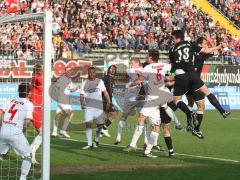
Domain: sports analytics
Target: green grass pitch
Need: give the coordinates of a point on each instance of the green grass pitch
(217, 157)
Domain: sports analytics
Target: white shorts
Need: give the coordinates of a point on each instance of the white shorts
(153, 113)
(153, 103)
(17, 142)
(63, 107)
(91, 114)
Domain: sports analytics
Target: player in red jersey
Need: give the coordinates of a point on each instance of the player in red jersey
(36, 98)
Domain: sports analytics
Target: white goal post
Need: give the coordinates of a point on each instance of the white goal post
(46, 19)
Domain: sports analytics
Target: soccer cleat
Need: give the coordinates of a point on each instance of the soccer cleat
(87, 147)
(54, 134)
(105, 133)
(178, 127)
(150, 155)
(64, 134)
(225, 114)
(130, 149)
(34, 161)
(95, 144)
(171, 153)
(158, 147)
(198, 134)
(117, 142)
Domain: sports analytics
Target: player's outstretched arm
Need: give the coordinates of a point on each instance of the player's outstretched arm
(212, 50)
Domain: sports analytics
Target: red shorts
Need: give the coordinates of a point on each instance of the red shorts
(37, 118)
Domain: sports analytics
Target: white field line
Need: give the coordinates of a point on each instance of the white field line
(179, 154)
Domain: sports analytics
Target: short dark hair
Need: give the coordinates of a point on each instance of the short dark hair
(23, 90)
(154, 54)
(91, 68)
(178, 34)
(200, 40)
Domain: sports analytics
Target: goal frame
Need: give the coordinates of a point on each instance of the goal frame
(46, 19)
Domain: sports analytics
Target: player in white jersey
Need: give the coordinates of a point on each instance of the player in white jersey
(91, 101)
(132, 97)
(156, 95)
(16, 115)
(64, 109)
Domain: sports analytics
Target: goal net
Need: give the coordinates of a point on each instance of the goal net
(25, 44)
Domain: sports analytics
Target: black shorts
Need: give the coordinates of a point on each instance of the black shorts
(112, 107)
(184, 81)
(197, 95)
(165, 119)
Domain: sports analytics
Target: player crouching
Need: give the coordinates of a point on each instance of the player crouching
(91, 101)
(17, 114)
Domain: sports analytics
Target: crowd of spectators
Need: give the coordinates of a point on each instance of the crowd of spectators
(230, 8)
(82, 25)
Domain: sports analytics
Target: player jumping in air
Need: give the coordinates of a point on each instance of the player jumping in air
(182, 57)
(16, 115)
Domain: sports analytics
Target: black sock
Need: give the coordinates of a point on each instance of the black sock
(107, 124)
(181, 105)
(168, 141)
(213, 100)
(199, 119)
(172, 106)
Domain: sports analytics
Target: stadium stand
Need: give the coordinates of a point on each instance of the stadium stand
(83, 28)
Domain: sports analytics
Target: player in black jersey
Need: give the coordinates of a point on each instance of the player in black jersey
(109, 83)
(197, 96)
(182, 57)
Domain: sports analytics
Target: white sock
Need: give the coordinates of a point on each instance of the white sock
(172, 115)
(35, 144)
(26, 166)
(65, 123)
(145, 134)
(152, 139)
(89, 136)
(55, 125)
(136, 135)
(121, 126)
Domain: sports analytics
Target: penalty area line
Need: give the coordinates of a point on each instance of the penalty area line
(179, 154)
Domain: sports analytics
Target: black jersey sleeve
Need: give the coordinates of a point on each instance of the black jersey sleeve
(196, 48)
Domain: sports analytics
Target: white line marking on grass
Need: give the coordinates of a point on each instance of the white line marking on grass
(180, 154)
